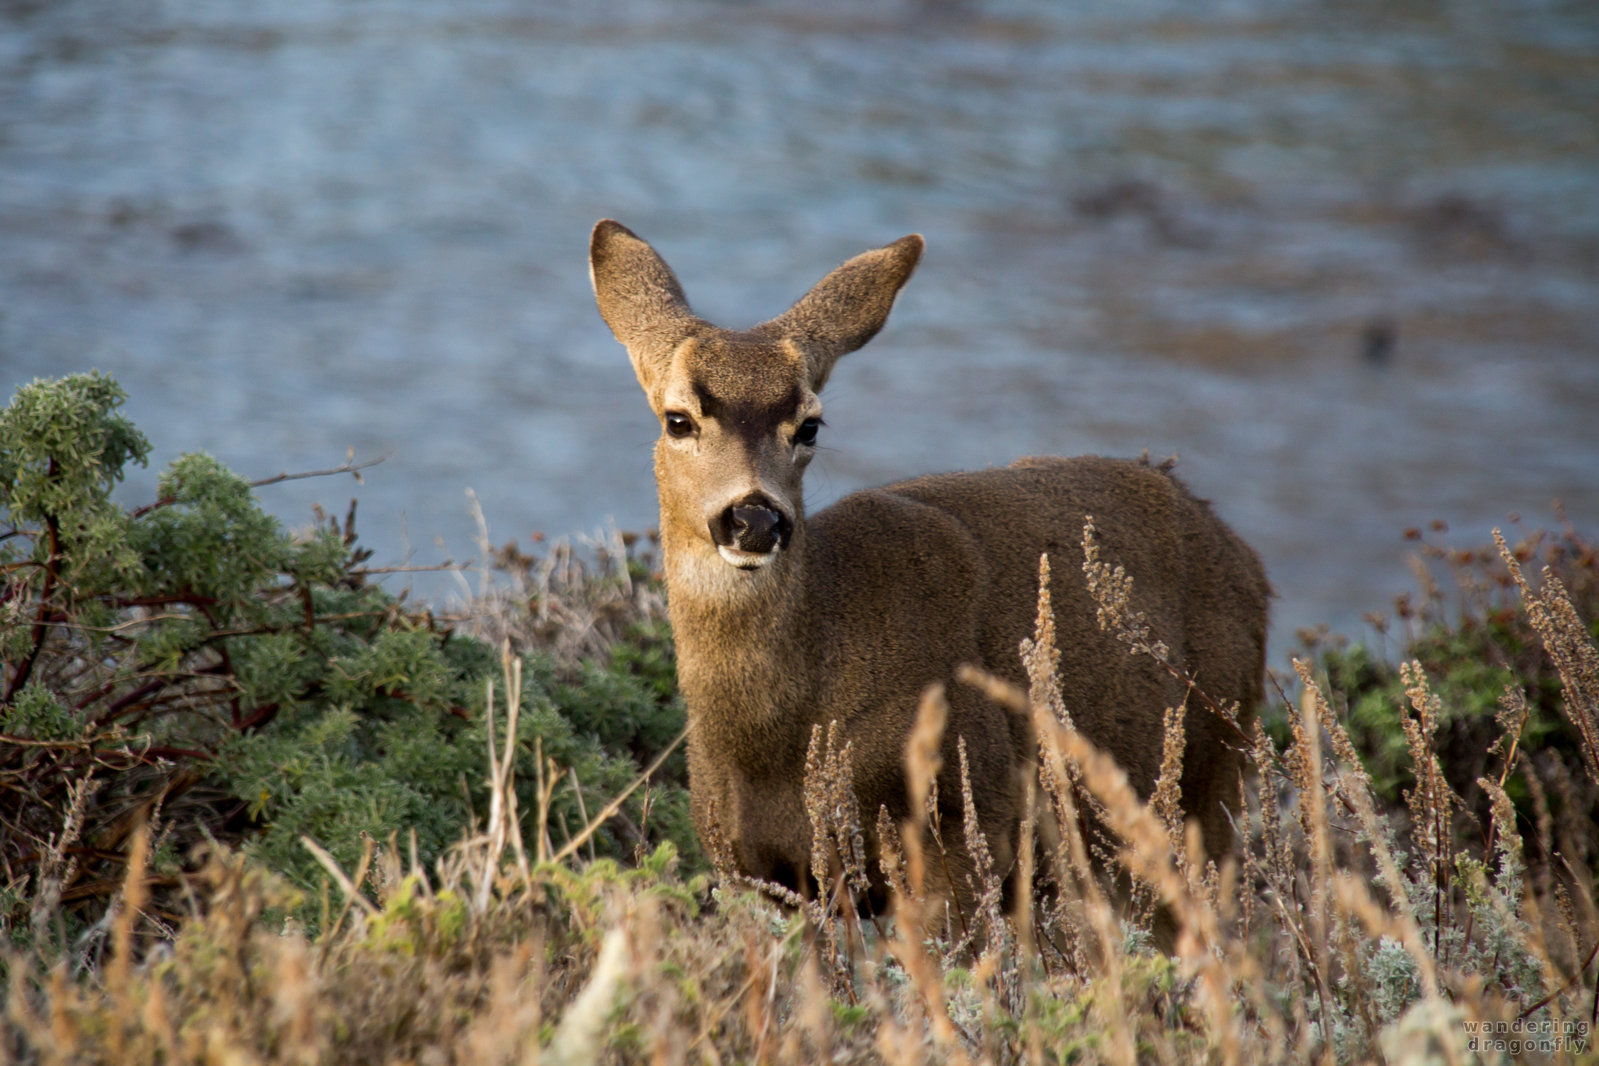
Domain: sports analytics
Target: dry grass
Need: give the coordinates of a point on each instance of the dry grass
(573, 602)
(1332, 935)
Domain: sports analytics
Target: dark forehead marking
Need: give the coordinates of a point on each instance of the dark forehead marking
(710, 406)
(715, 406)
(751, 417)
(739, 373)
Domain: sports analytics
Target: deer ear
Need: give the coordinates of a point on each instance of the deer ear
(639, 298)
(846, 309)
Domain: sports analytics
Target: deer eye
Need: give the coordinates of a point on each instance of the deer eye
(679, 424)
(806, 434)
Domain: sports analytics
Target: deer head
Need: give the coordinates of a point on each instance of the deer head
(739, 410)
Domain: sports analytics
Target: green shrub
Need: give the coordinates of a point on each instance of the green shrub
(1473, 645)
(190, 663)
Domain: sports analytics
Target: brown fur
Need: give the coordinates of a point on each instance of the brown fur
(891, 589)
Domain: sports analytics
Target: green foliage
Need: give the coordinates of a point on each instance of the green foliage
(1472, 649)
(191, 661)
(1464, 678)
(36, 714)
(211, 540)
(62, 448)
(1394, 976)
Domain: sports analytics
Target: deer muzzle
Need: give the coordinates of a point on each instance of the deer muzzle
(751, 532)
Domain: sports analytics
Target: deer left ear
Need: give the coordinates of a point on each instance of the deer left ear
(639, 298)
(846, 309)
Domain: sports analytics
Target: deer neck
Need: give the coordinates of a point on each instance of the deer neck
(742, 662)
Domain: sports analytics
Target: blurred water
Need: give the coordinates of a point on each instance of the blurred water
(1342, 258)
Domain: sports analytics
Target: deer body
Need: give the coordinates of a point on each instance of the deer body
(784, 621)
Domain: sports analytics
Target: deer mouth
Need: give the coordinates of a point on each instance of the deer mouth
(747, 560)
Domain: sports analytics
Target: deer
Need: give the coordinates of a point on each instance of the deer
(785, 621)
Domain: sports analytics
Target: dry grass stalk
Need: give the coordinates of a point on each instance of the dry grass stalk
(1313, 816)
(1063, 822)
(841, 818)
(1568, 643)
(1400, 923)
(1431, 801)
(983, 880)
(828, 858)
(1252, 873)
(1026, 868)
(577, 1039)
(350, 887)
(1112, 589)
(890, 856)
(574, 603)
(1350, 767)
(59, 861)
(923, 763)
(838, 854)
(504, 822)
(1514, 908)
(924, 760)
(1041, 657)
(607, 812)
(1080, 902)
(907, 946)
(127, 915)
(1147, 853)
(1166, 800)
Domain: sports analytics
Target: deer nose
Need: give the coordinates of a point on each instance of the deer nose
(751, 525)
(755, 528)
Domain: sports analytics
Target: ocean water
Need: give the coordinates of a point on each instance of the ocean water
(1341, 259)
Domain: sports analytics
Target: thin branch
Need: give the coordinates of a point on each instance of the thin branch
(41, 625)
(349, 467)
(616, 804)
(447, 565)
(1563, 989)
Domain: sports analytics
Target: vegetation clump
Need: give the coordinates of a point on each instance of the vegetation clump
(190, 665)
(351, 909)
(1486, 658)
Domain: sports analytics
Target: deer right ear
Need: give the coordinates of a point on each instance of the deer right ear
(846, 309)
(639, 298)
